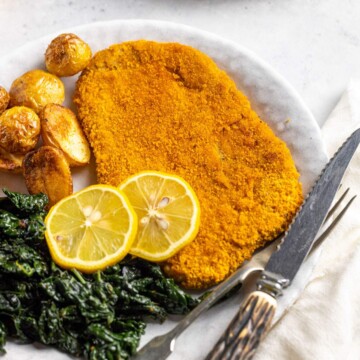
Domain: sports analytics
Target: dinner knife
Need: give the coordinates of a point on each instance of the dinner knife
(252, 322)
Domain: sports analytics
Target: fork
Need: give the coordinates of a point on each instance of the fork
(160, 347)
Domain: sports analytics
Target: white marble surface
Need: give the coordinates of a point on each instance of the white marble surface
(315, 44)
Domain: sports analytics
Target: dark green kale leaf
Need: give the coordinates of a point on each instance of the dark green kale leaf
(105, 344)
(10, 225)
(30, 228)
(2, 338)
(143, 290)
(53, 331)
(27, 204)
(18, 258)
(9, 303)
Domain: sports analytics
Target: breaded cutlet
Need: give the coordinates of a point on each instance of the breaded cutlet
(165, 106)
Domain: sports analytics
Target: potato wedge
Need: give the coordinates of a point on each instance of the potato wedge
(10, 162)
(60, 128)
(46, 170)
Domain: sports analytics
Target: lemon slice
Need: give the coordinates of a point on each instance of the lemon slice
(91, 229)
(168, 212)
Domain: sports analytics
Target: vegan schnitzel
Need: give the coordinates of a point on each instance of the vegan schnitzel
(165, 106)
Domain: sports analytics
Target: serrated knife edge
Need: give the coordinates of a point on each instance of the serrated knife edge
(330, 176)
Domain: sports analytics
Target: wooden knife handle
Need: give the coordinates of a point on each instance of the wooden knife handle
(246, 330)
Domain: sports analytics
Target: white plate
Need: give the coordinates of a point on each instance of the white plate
(271, 96)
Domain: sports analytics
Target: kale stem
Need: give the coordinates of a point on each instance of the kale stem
(78, 276)
(98, 276)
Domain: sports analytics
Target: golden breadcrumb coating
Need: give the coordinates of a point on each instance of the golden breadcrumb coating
(168, 107)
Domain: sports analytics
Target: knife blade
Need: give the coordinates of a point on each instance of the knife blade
(301, 233)
(252, 322)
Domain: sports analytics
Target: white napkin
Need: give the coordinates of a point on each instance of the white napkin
(324, 323)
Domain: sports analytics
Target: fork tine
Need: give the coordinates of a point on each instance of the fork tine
(333, 224)
(336, 205)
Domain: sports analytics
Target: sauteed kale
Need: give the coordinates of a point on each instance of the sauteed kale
(99, 316)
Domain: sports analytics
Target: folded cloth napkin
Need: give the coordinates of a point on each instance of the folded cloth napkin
(324, 322)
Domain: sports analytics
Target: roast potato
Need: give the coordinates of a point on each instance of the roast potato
(10, 162)
(19, 130)
(35, 89)
(46, 170)
(67, 55)
(4, 99)
(60, 128)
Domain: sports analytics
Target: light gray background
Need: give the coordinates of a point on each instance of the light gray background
(315, 44)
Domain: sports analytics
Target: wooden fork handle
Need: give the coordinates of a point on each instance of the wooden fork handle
(246, 330)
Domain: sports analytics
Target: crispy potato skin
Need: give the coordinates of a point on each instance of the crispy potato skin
(67, 55)
(4, 99)
(60, 128)
(35, 89)
(10, 162)
(46, 170)
(19, 130)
